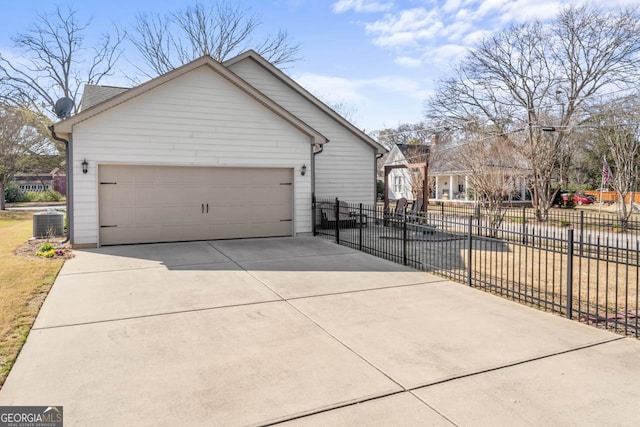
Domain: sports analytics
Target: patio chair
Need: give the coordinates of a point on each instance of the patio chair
(346, 217)
(416, 207)
(328, 215)
(398, 212)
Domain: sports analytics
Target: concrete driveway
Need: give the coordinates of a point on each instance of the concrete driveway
(305, 332)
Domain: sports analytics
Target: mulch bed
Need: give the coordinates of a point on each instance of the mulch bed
(30, 248)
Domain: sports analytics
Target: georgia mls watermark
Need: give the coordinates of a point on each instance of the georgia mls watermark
(30, 416)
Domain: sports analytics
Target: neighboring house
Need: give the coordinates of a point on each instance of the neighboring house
(55, 180)
(405, 181)
(209, 151)
(454, 181)
(59, 181)
(39, 182)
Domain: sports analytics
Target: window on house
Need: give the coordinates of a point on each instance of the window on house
(397, 184)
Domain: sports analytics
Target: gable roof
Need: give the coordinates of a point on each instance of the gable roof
(65, 127)
(414, 152)
(253, 55)
(407, 154)
(94, 94)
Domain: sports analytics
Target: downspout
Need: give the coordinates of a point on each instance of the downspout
(67, 179)
(313, 183)
(313, 166)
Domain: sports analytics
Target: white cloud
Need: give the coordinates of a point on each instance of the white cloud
(457, 30)
(407, 61)
(449, 53)
(403, 97)
(475, 37)
(361, 6)
(405, 28)
(489, 7)
(451, 5)
(333, 89)
(337, 89)
(528, 10)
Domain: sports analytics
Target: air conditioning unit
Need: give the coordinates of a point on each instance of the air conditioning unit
(48, 224)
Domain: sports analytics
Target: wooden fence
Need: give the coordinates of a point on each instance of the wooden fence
(612, 196)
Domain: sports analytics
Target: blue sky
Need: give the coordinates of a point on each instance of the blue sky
(380, 57)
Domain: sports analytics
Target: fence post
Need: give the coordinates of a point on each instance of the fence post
(313, 214)
(337, 221)
(570, 273)
(404, 237)
(469, 253)
(581, 230)
(524, 225)
(360, 225)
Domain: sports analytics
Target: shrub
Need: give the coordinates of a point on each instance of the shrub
(42, 196)
(12, 193)
(47, 254)
(50, 196)
(380, 190)
(564, 223)
(29, 196)
(45, 247)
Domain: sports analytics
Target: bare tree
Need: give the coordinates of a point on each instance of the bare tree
(22, 140)
(535, 78)
(55, 62)
(346, 110)
(168, 41)
(617, 133)
(406, 133)
(494, 165)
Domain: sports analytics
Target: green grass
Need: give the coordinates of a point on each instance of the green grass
(24, 284)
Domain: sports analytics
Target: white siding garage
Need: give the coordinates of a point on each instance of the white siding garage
(142, 204)
(346, 168)
(145, 163)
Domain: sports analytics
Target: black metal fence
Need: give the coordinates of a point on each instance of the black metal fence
(587, 274)
(586, 223)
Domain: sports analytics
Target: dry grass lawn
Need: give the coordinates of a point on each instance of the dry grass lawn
(24, 284)
(599, 286)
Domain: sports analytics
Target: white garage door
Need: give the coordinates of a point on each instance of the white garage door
(145, 204)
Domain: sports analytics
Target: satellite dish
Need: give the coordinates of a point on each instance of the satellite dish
(63, 107)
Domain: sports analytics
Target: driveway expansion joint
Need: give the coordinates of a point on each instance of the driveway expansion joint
(285, 258)
(144, 316)
(521, 362)
(424, 402)
(332, 408)
(355, 291)
(80, 273)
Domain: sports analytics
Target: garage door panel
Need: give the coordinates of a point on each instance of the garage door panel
(114, 195)
(162, 204)
(270, 195)
(147, 195)
(188, 195)
(276, 212)
(146, 216)
(274, 229)
(188, 214)
(229, 196)
(115, 235)
(148, 175)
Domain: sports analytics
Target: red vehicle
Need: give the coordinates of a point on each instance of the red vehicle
(578, 199)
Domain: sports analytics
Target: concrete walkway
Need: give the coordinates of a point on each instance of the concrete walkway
(305, 332)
